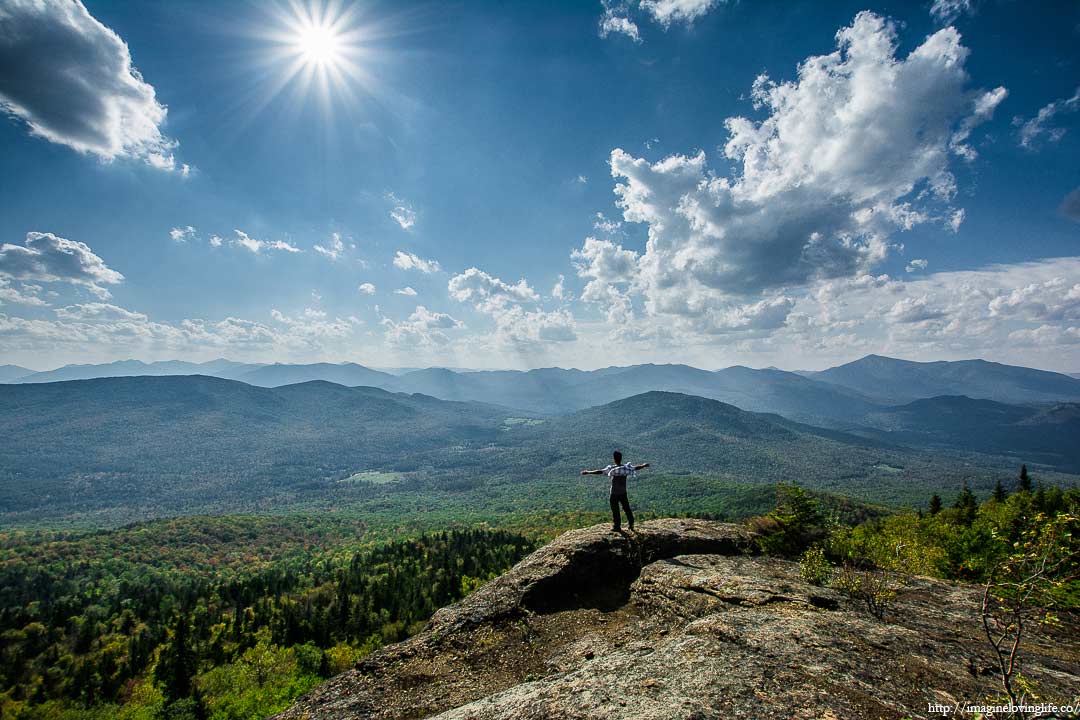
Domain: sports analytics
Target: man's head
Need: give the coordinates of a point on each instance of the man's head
(618, 457)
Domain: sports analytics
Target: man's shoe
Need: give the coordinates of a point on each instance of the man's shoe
(616, 528)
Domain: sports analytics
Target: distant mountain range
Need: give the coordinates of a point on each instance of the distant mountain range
(891, 381)
(134, 368)
(11, 373)
(835, 397)
(349, 374)
(145, 446)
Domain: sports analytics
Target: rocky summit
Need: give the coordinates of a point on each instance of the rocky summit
(681, 620)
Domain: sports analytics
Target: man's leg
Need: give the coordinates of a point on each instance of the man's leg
(626, 506)
(616, 521)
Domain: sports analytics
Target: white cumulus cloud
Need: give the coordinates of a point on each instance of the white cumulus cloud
(1056, 300)
(857, 148)
(610, 270)
(314, 325)
(518, 322)
(1046, 336)
(71, 80)
(45, 257)
(26, 294)
(422, 328)
(667, 12)
(489, 293)
(98, 311)
(559, 291)
(913, 309)
(620, 17)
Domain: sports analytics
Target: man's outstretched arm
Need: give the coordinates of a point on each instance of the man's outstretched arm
(641, 467)
(592, 472)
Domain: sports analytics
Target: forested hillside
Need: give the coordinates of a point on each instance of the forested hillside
(1048, 434)
(114, 450)
(194, 443)
(225, 617)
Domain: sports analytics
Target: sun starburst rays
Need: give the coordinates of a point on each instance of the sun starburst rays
(318, 49)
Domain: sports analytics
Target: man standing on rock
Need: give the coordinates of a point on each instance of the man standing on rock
(618, 474)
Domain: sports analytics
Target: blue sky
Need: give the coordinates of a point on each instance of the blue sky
(530, 184)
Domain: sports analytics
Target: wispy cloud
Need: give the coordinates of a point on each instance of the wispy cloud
(614, 21)
(947, 11)
(255, 246)
(408, 261)
(182, 234)
(1039, 128)
(619, 17)
(1070, 205)
(402, 212)
(332, 249)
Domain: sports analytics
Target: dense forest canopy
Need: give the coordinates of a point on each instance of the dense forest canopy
(234, 616)
(229, 616)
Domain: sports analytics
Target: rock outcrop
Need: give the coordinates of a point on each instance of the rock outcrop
(680, 620)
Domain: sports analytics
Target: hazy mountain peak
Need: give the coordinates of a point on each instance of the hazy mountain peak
(894, 381)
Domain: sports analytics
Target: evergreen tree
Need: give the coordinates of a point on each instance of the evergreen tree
(798, 519)
(966, 505)
(935, 504)
(176, 666)
(999, 492)
(1039, 499)
(1025, 480)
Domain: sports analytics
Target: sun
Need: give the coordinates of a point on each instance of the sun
(320, 49)
(319, 43)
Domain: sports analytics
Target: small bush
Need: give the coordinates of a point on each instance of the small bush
(762, 525)
(875, 588)
(814, 567)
